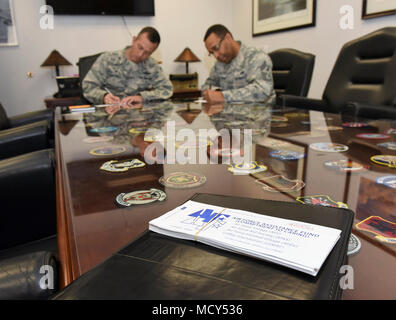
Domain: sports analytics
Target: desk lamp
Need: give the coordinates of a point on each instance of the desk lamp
(55, 59)
(187, 56)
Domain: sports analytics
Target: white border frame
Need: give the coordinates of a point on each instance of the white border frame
(14, 39)
(289, 21)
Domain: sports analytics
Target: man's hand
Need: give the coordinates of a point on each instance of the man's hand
(213, 96)
(211, 109)
(112, 109)
(132, 100)
(110, 99)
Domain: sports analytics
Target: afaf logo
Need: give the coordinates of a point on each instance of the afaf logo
(204, 216)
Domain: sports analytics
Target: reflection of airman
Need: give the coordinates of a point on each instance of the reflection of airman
(211, 109)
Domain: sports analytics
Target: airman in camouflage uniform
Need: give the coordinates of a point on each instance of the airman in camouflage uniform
(127, 76)
(241, 73)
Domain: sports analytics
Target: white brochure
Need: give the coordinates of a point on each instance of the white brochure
(294, 244)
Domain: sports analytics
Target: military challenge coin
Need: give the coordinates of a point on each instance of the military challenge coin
(328, 147)
(389, 181)
(286, 155)
(322, 200)
(280, 183)
(387, 145)
(140, 197)
(373, 136)
(354, 245)
(385, 160)
(103, 129)
(121, 165)
(247, 168)
(107, 151)
(345, 165)
(181, 180)
(355, 124)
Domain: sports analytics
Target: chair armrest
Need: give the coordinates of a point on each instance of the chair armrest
(364, 110)
(30, 276)
(30, 117)
(299, 102)
(24, 139)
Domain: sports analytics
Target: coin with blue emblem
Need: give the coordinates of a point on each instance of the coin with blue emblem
(107, 150)
(389, 181)
(286, 155)
(387, 145)
(103, 129)
(372, 136)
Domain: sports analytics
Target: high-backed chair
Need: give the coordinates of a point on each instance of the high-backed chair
(25, 118)
(364, 72)
(292, 71)
(25, 133)
(28, 244)
(84, 65)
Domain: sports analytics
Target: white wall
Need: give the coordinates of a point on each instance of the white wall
(324, 40)
(181, 23)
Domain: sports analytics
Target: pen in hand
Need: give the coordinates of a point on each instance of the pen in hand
(113, 99)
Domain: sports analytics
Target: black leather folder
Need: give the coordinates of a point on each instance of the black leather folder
(160, 267)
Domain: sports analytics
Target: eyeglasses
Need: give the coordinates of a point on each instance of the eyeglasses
(216, 47)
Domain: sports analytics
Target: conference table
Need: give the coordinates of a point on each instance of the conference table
(300, 155)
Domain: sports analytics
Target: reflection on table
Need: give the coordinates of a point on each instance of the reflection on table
(247, 150)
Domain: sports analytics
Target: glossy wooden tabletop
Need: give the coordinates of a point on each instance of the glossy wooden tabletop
(91, 226)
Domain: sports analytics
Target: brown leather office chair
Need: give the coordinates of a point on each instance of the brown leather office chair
(364, 73)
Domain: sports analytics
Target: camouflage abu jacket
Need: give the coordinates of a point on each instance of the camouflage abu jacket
(248, 77)
(122, 77)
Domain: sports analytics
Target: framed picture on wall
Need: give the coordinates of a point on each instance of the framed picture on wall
(271, 16)
(8, 35)
(378, 8)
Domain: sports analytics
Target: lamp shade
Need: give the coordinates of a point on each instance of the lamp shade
(55, 59)
(187, 56)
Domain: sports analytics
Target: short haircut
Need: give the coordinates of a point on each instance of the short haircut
(218, 29)
(152, 34)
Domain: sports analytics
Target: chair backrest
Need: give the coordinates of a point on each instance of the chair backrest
(292, 71)
(365, 71)
(85, 64)
(4, 122)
